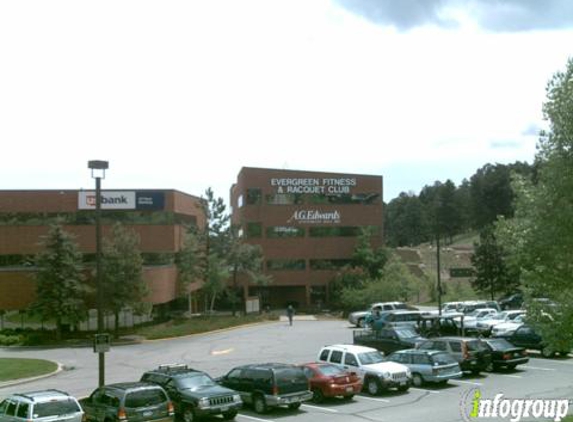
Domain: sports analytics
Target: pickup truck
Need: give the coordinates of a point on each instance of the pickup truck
(388, 340)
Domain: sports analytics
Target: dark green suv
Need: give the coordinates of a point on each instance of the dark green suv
(194, 393)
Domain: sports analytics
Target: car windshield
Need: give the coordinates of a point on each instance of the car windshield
(443, 359)
(500, 344)
(407, 333)
(476, 346)
(54, 408)
(190, 383)
(473, 313)
(330, 370)
(289, 375)
(370, 358)
(400, 306)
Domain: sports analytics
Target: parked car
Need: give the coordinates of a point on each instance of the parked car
(376, 374)
(525, 336)
(269, 385)
(470, 320)
(327, 380)
(389, 339)
(435, 325)
(194, 393)
(128, 402)
(41, 406)
(428, 365)
(514, 301)
(486, 325)
(471, 353)
(504, 354)
(396, 318)
(471, 306)
(358, 318)
(506, 328)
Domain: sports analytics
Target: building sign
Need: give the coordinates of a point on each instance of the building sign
(315, 217)
(122, 200)
(326, 185)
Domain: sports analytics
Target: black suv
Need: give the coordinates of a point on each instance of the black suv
(388, 340)
(194, 393)
(269, 385)
(128, 402)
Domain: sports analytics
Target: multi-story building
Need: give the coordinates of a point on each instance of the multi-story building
(307, 224)
(158, 217)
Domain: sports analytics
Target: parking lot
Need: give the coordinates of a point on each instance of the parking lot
(216, 353)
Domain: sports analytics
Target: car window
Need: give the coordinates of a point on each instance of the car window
(455, 346)
(350, 359)
(388, 307)
(443, 359)
(11, 408)
(427, 345)
(145, 398)
(194, 381)
(58, 407)
(421, 359)
(370, 358)
(386, 334)
(324, 355)
(476, 345)
(234, 374)
(399, 357)
(401, 306)
(330, 370)
(3, 406)
(23, 410)
(336, 356)
(309, 373)
(499, 344)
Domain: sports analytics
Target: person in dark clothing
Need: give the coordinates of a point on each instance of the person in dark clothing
(290, 313)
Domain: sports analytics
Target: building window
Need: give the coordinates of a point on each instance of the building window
(286, 264)
(240, 201)
(284, 231)
(284, 199)
(254, 196)
(345, 198)
(328, 264)
(254, 230)
(336, 231)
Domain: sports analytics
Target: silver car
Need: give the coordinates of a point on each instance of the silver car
(39, 406)
(428, 365)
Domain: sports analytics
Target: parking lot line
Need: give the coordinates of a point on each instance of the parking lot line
(373, 399)
(326, 409)
(254, 419)
(466, 382)
(538, 368)
(511, 376)
(424, 390)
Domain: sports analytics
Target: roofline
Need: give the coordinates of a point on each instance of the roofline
(309, 171)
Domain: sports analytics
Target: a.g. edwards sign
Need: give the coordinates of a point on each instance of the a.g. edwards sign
(315, 217)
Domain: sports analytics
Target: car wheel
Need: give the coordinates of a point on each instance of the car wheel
(475, 371)
(348, 398)
(546, 352)
(317, 395)
(373, 386)
(489, 367)
(511, 367)
(361, 323)
(417, 380)
(229, 415)
(294, 406)
(188, 414)
(260, 404)
(404, 388)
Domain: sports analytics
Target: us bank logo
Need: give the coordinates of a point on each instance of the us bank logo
(475, 407)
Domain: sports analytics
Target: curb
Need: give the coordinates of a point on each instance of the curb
(26, 380)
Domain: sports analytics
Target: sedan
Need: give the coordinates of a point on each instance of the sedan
(504, 354)
(327, 380)
(428, 365)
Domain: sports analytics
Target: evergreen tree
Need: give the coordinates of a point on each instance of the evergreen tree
(122, 272)
(60, 285)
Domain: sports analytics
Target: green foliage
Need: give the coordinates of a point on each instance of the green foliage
(493, 273)
(540, 236)
(371, 260)
(60, 286)
(9, 340)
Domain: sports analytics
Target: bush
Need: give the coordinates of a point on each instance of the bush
(9, 340)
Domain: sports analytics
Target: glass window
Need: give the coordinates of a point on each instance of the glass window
(234, 374)
(336, 356)
(324, 354)
(370, 358)
(284, 231)
(53, 408)
(284, 199)
(23, 410)
(286, 264)
(240, 201)
(350, 359)
(443, 359)
(254, 196)
(334, 231)
(145, 398)
(455, 346)
(330, 370)
(254, 230)
(345, 198)
(11, 408)
(421, 359)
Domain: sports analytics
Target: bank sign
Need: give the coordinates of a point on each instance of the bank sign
(122, 200)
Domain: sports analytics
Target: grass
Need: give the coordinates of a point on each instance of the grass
(11, 369)
(199, 324)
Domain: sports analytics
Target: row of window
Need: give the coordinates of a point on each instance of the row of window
(255, 230)
(254, 196)
(301, 264)
(88, 218)
(162, 258)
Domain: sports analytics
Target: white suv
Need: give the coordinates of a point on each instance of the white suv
(376, 373)
(38, 406)
(359, 318)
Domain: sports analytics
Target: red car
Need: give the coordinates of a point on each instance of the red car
(327, 380)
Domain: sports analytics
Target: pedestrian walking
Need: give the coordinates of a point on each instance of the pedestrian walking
(290, 313)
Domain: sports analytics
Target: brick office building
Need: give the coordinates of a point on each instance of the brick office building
(307, 224)
(158, 218)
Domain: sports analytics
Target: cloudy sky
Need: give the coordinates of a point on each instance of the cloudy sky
(182, 94)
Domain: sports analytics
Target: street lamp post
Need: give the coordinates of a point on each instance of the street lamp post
(98, 169)
(438, 274)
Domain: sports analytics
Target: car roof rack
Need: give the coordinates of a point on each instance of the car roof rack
(174, 367)
(33, 395)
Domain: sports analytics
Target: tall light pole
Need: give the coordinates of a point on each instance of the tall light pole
(98, 169)
(438, 273)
